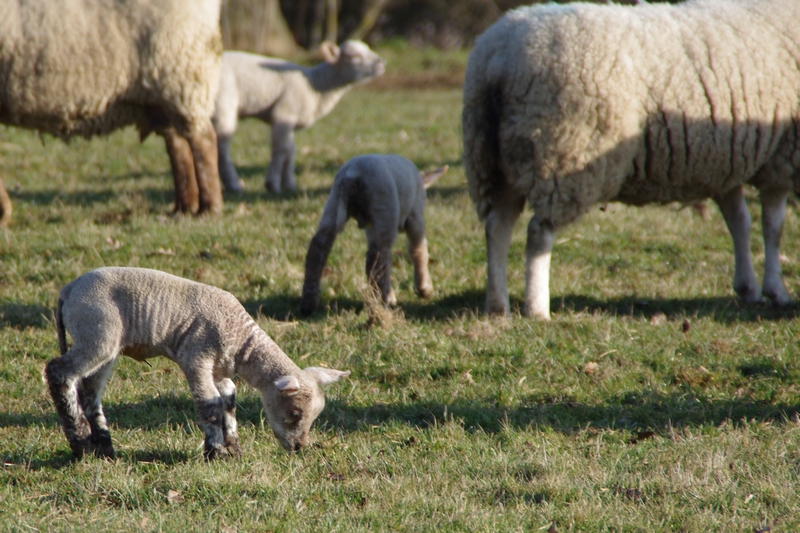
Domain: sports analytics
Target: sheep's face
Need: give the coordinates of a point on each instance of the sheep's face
(295, 402)
(358, 62)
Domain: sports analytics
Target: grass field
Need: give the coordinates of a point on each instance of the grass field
(612, 417)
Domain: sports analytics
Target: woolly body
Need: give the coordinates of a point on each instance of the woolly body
(286, 96)
(386, 195)
(88, 67)
(145, 313)
(572, 105)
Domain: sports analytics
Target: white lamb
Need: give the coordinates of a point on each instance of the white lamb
(143, 313)
(286, 96)
(568, 106)
(385, 194)
(89, 67)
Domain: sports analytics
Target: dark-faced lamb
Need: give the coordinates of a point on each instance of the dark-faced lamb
(88, 67)
(144, 313)
(568, 106)
(386, 195)
(286, 96)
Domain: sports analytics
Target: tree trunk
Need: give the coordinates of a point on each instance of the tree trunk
(331, 20)
(371, 14)
(257, 26)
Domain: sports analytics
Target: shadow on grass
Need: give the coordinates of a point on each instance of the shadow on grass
(19, 315)
(155, 197)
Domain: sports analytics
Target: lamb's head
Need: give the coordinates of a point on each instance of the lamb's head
(295, 401)
(354, 60)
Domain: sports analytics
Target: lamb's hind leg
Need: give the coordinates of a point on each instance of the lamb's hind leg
(773, 209)
(227, 391)
(5, 206)
(380, 239)
(499, 226)
(317, 256)
(418, 250)
(90, 392)
(737, 218)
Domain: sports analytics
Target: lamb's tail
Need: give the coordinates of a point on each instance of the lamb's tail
(480, 121)
(62, 334)
(430, 177)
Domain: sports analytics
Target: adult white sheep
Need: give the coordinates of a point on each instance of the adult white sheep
(572, 105)
(88, 67)
(144, 313)
(286, 96)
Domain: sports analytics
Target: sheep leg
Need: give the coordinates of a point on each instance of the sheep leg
(380, 239)
(90, 392)
(227, 171)
(210, 404)
(206, 169)
(282, 151)
(181, 159)
(316, 258)
(287, 174)
(541, 237)
(773, 209)
(499, 226)
(5, 206)
(227, 391)
(418, 250)
(65, 397)
(737, 218)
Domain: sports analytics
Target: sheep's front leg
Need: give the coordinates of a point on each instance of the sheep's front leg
(206, 168)
(380, 239)
(210, 404)
(418, 250)
(5, 206)
(541, 237)
(282, 157)
(316, 258)
(773, 210)
(181, 159)
(227, 391)
(737, 218)
(499, 225)
(90, 392)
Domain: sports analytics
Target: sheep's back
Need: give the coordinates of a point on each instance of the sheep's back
(87, 67)
(652, 103)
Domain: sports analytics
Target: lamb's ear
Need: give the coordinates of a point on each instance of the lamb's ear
(324, 376)
(330, 52)
(430, 177)
(287, 385)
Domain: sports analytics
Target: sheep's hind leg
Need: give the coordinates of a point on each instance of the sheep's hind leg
(90, 392)
(62, 376)
(418, 250)
(5, 206)
(737, 218)
(181, 159)
(227, 391)
(317, 256)
(282, 152)
(773, 210)
(499, 226)
(206, 169)
(380, 239)
(541, 237)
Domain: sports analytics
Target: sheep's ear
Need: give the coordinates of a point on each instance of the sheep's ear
(324, 376)
(287, 385)
(330, 52)
(430, 177)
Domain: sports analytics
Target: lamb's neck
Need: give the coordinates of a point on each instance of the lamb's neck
(260, 362)
(327, 82)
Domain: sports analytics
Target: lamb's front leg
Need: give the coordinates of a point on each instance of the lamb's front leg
(737, 217)
(418, 250)
(282, 155)
(210, 403)
(773, 210)
(380, 239)
(541, 237)
(227, 391)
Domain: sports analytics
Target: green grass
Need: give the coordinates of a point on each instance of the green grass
(450, 420)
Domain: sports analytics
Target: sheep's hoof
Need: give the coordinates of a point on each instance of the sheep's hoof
(496, 308)
(218, 451)
(80, 446)
(425, 292)
(232, 447)
(102, 446)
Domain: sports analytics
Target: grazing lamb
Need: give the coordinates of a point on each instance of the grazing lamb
(89, 67)
(286, 96)
(144, 313)
(385, 194)
(568, 106)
